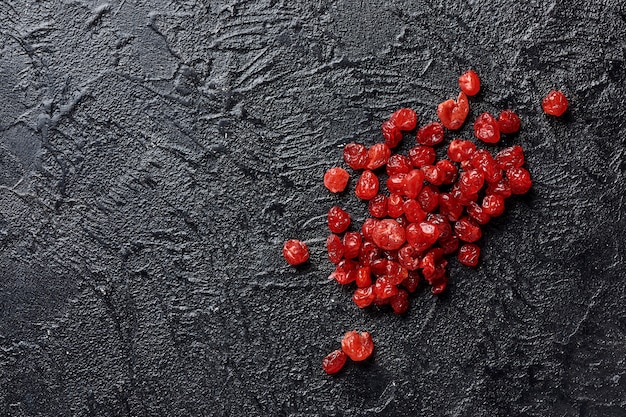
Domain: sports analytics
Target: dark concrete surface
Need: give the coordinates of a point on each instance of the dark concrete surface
(154, 156)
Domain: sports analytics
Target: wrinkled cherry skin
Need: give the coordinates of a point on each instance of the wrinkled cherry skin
(467, 230)
(357, 346)
(413, 183)
(334, 361)
(512, 157)
(364, 297)
(469, 82)
(334, 247)
(351, 245)
(519, 180)
(355, 155)
(486, 128)
(377, 206)
(367, 185)
(508, 122)
(461, 150)
(404, 119)
(422, 235)
(395, 205)
(338, 219)
(392, 134)
(400, 302)
(469, 254)
(430, 135)
(389, 235)
(422, 155)
(377, 156)
(295, 252)
(452, 114)
(336, 179)
(555, 103)
(398, 164)
(493, 205)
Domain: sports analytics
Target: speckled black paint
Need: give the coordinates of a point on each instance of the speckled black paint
(155, 155)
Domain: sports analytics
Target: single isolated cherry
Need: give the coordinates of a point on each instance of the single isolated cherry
(453, 113)
(295, 252)
(469, 82)
(469, 254)
(336, 179)
(358, 346)
(509, 122)
(555, 103)
(334, 361)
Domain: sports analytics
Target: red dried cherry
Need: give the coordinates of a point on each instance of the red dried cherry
(409, 258)
(363, 277)
(367, 185)
(384, 288)
(471, 181)
(377, 156)
(467, 230)
(413, 211)
(508, 122)
(364, 297)
(400, 302)
(493, 205)
(483, 161)
(391, 133)
(555, 103)
(421, 156)
(501, 187)
(334, 247)
(395, 183)
(295, 252)
(336, 179)
(430, 135)
(351, 245)
(469, 82)
(398, 164)
(422, 235)
(453, 113)
(413, 182)
(368, 228)
(450, 207)
(448, 171)
(388, 234)
(412, 281)
(395, 205)
(334, 361)
(449, 244)
(486, 128)
(357, 346)
(519, 180)
(433, 175)
(476, 213)
(369, 253)
(512, 157)
(338, 219)
(469, 254)
(355, 155)
(428, 198)
(404, 119)
(460, 150)
(377, 206)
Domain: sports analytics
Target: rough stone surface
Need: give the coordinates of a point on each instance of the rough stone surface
(154, 156)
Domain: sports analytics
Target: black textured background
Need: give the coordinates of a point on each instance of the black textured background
(154, 156)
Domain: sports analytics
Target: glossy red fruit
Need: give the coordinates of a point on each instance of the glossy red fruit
(338, 219)
(336, 179)
(398, 164)
(367, 229)
(469, 82)
(404, 119)
(449, 244)
(377, 206)
(422, 235)
(295, 252)
(409, 258)
(357, 346)
(384, 288)
(422, 155)
(439, 286)
(442, 224)
(453, 113)
(364, 297)
(448, 171)
(377, 156)
(345, 271)
(449, 207)
(469, 254)
(467, 230)
(363, 277)
(429, 198)
(476, 213)
(460, 150)
(395, 205)
(519, 180)
(355, 155)
(509, 122)
(413, 211)
(512, 157)
(334, 247)
(430, 135)
(412, 281)
(555, 103)
(433, 175)
(471, 181)
(334, 361)
(369, 253)
(391, 133)
(400, 302)
(367, 185)
(389, 235)
(483, 161)
(501, 187)
(486, 128)
(493, 205)
(351, 245)
(413, 182)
